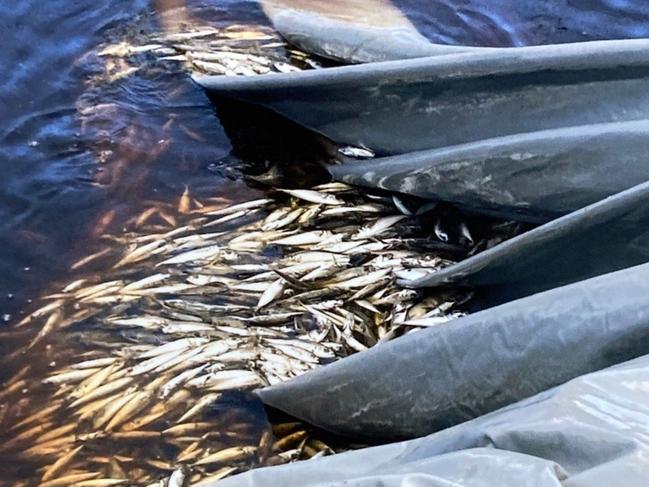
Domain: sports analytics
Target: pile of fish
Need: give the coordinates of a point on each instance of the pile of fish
(234, 50)
(130, 370)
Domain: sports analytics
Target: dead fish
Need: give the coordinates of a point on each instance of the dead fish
(439, 231)
(401, 205)
(286, 68)
(314, 196)
(71, 376)
(179, 477)
(186, 328)
(136, 403)
(94, 381)
(104, 482)
(226, 379)
(53, 321)
(271, 319)
(306, 238)
(73, 479)
(105, 414)
(432, 320)
(378, 227)
(282, 222)
(140, 253)
(102, 391)
(341, 210)
(87, 260)
(220, 474)
(94, 363)
(200, 405)
(362, 280)
(273, 292)
(145, 282)
(187, 428)
(48, 308)
(184, 204)
(356, 152)
(74, 285)
(242, 206)
(60, 465)
(180, 379)
(177, 345)
(464, 231)
(228, 455)
(201, 254)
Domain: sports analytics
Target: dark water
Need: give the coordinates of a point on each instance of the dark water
(79, 155)
(526, 22)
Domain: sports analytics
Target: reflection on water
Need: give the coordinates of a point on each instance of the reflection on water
(78, 153)
(526, 22)
(119, 138)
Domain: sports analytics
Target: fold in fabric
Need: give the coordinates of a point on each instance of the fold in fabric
(606, 236)
(378, 30)
(397, 107)
(536, 176)
(344, 41)
(590, 432)
(437, 378)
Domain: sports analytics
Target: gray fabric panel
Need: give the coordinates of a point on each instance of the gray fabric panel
(609, 235)
(439, 377)
(536, 176)
(397, 107)
(590, 432)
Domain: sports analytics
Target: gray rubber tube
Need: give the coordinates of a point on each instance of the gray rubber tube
(589, 432)
(606, 236)
(437, 378)
(535, 176)
(397, 107)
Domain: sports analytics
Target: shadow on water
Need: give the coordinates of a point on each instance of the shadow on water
(268, 149)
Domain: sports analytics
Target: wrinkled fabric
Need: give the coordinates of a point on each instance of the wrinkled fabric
(439, 377)
(398, 107)
(590, 432)
(607, 236)
(379, 30)
(536, 176)
(554, 134)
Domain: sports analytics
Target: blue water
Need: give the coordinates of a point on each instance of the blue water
(56, 124)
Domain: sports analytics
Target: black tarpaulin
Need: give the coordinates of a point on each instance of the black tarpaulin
(399, 107)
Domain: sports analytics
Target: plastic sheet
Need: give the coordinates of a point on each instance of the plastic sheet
(535, 176)
(398, 107)
(609, 235)
(439, 377)
(378, 30)
(533, 133)
(589, 432)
